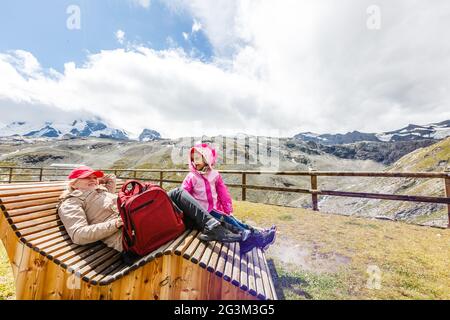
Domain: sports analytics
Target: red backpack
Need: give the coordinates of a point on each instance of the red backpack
(150, 219)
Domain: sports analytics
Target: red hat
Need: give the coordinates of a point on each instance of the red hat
(84, 172)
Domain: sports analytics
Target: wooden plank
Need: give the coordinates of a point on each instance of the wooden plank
(31, 216)
(265, 275)
(251, 274)
(170, 249)
(203, 262)
(48, 238)
(110, 266)
(199, 252)
(65, 238)
(258, 276)
(34, 222)
(38, 235)
(92, 266)
(65, 253)
(272, 287)
(236, 274)
(185, 243)
(30, 197)
(81, 263)
(211, 267)
(244, 272)
(384, 196)
(191, 249)
(38, 228)
(80, 256)
(222, 260)
(17, 212)
(20, 191)
(229, 263)
(30, 203)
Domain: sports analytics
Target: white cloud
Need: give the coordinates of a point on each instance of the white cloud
(185, 36)
(287, 66)
(326, 68)
(196, 26)
(120, 36)
(143, 3)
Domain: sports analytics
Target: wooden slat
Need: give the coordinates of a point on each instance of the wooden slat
(19, 191)
(108, 272)
(235, 276)
(101, 268)
(31, 216)
(51, 242)
(29, 197)
(272, 287)
(91, 266)
(260, 293)
(170, 249)
(30, 203)
(83, 255)
(185, 243)
(220, 269)
(41, 234)
(48, 237)
(22, 211)
(64, 254)
(207, 254)
(229, 264)
(265, 275)
(211, 267)
(251, 274)
(76, 266)
(110, 277)
(34, 222)
(244, 272)
(191, 249)
(41, 227)
(199, 252)
(58, 245)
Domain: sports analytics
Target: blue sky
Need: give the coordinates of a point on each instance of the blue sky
(40, 28)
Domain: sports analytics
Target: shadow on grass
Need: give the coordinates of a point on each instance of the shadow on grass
(287, 282)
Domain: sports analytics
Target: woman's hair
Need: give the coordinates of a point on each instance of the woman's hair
(69, 189)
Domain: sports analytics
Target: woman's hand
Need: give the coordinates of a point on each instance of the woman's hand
(119, 223)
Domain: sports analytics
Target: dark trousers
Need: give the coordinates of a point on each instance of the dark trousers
(194, 215)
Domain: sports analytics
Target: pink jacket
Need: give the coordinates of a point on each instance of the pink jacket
(208, 188)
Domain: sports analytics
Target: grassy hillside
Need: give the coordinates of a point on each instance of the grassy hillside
(433, 158)
(322, 256)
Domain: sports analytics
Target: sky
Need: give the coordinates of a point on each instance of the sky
(188, 68)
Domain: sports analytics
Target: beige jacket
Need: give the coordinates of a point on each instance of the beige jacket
(90, 216)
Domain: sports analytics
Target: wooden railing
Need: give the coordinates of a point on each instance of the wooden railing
(51, 173)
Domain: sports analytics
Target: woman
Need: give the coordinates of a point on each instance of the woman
(89, 211)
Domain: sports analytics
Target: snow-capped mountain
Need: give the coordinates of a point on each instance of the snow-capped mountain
(149, 135)
(433, 131)
(76, 128)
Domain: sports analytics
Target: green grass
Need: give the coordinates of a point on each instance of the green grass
(324, 256)
(6, 277)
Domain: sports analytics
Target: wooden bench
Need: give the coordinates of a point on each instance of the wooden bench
(46, 264)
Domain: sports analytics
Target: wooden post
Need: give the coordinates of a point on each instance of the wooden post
(314, 190)
(224, 150)
(244, 186)
(40, 173)
(10, 174)
(134, 174)
(447, 192)
(161, 179)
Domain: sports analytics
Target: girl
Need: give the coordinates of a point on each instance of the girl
(205, 184)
